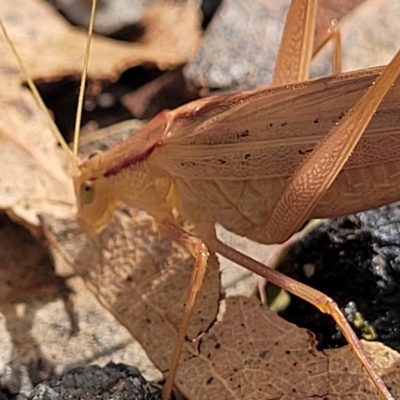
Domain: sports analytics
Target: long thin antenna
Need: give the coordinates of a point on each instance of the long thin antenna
(36, 93)
(82, 90)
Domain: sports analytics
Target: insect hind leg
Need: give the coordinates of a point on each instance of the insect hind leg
(323, 302)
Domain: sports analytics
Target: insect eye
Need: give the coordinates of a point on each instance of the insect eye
(86, 192)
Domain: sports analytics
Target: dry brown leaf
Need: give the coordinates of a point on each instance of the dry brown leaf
(49, 324)
(254, 354)
(247, 352)
(51, 48)
(34, 178)
(141, 278)
(38, 337)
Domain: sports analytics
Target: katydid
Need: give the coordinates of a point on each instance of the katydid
(196, 157)
(259, 163)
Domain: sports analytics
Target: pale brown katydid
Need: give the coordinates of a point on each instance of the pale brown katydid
(226, 159)
(163, 146)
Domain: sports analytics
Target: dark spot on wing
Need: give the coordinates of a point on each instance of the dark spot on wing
(305, 151)
(187, 164)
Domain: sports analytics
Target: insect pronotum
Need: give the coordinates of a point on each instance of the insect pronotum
(191, 160)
